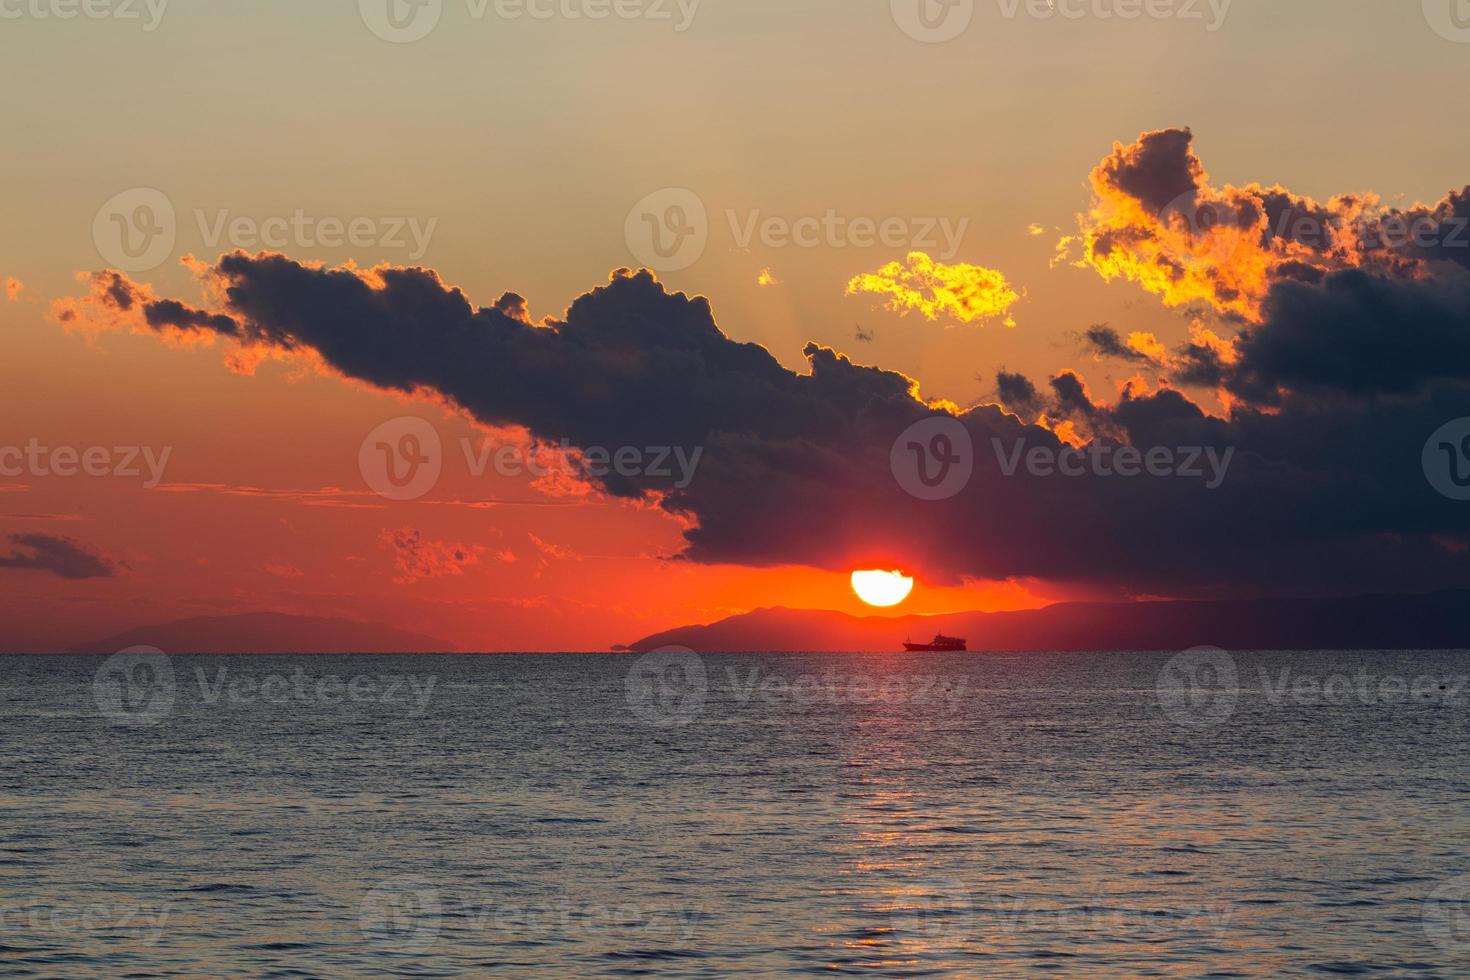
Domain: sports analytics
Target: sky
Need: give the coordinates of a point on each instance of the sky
(835, 182)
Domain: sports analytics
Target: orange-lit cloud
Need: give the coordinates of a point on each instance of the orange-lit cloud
(967, 293)
(767, 278)
(13, 288)
(1147, 345)
(1158, 221)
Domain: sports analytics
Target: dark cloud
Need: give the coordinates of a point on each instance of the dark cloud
(1156, 170)
(1104, 341)
(1017, 393)
(60, 556)
(1339, 386)
(1353, 333)
(171, 313)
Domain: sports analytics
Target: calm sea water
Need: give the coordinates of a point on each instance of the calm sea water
(770, 815)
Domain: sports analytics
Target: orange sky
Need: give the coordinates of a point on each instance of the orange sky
(766, 112)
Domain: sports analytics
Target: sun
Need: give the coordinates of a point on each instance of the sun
(878, 588)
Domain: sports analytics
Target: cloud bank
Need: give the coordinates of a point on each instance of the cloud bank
(1347, 355)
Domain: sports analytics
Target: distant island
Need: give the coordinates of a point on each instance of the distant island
(1439, 620)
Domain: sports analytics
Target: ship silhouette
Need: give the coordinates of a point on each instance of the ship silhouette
(939, 643)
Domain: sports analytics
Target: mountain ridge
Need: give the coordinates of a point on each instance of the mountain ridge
(1437, 620)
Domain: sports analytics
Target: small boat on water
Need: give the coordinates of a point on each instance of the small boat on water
(940, 643)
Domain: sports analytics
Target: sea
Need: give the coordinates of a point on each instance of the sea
(676, 814)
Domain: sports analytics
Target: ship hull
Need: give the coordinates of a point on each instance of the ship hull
(931, 648)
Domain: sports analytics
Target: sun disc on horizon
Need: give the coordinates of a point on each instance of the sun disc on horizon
(883, 589)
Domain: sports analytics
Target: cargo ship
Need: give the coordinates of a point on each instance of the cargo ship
(940, 643)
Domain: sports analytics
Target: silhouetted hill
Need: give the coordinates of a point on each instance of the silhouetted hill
(267, 633)
(1439, 620)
